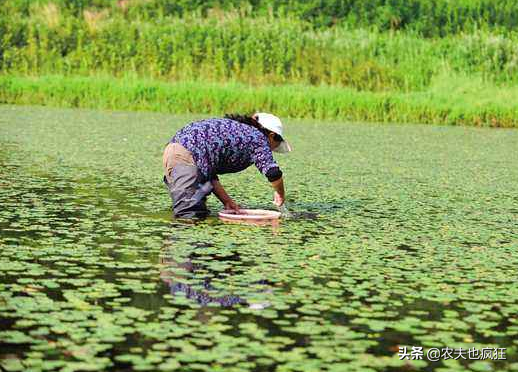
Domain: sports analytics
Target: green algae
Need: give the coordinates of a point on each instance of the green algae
(399, 235)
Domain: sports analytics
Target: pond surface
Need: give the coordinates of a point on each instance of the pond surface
(400, 236)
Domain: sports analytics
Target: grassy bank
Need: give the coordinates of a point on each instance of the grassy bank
(453, 101)
(192, 56)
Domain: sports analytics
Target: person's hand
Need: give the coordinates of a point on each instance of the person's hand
(232, 205)
(278, 200)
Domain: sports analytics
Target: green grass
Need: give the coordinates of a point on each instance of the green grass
(429, 17)
(258, 51)
(448, 100)
(230, 60)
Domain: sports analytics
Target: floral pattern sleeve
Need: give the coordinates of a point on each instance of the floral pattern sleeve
(263, 157)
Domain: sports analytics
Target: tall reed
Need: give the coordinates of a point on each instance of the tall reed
(430, 18)
(257, 51)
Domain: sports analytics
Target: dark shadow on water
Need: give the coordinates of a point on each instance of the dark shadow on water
(305, 215)
(328, 208)
(406, 248)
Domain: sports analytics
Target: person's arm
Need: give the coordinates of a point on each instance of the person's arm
(265, 163)
(279, 193)
(223, 197)
(274, 175)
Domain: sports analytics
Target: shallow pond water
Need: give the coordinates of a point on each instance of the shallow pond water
(399, 236)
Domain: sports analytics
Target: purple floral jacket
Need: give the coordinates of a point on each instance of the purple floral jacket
(221, 146)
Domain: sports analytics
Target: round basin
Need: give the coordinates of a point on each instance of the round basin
(249, 215)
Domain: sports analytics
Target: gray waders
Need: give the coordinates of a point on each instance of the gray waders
(182, 179)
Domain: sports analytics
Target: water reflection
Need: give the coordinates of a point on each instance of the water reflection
(273, 223)
(170, 275)
(193, 276)
(213, 219)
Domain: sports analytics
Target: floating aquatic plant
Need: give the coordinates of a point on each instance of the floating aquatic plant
(401, 235)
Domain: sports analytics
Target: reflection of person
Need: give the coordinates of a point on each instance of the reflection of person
(202, 296)
(201, 150)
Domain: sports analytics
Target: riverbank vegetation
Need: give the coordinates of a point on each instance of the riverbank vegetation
(427, 60)
(448, 101)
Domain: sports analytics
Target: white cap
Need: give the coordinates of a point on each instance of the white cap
(273, 123)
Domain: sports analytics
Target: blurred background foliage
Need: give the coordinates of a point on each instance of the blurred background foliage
(428, 17)
(430, 47)
(375, 46)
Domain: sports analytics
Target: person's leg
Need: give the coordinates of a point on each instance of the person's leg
(189, 200)
(181, 177)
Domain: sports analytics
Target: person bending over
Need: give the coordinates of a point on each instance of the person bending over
(202, 150)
